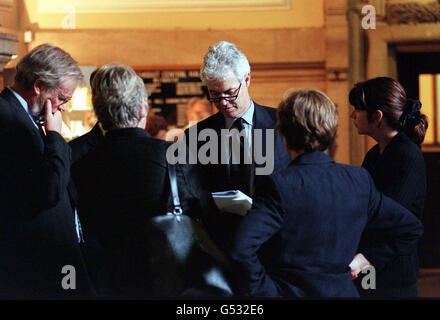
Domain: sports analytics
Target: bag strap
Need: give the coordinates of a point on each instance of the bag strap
(177, 209)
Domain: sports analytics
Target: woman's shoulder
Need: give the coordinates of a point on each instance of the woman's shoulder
(374, 152)
(403, 147)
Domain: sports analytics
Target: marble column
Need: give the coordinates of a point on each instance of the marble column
(356, 72)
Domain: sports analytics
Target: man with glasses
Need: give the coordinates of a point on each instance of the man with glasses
(39, 231)
(226, 73)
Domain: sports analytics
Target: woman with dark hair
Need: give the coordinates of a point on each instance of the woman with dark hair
(303, 230)
(383, 112)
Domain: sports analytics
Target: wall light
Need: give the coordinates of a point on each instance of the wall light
(28, 36)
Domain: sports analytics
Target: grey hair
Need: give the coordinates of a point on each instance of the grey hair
(222, 59)
(49, 63)
(118, 94)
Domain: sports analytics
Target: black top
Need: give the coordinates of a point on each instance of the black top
(399, 172)
(82, 145)
(121, 183)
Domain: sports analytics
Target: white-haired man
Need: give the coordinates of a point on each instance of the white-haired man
(226, 73)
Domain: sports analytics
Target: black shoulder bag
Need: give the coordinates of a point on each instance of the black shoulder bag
(183, 260)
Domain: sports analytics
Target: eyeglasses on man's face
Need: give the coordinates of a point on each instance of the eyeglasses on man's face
(230, 98)
(60, 95)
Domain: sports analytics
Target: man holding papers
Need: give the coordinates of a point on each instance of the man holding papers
(233, 147)
(233, 201)
(256, 148)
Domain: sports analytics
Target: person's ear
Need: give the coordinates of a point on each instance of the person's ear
(142, 117)
(378, 117)
(247, 79)
(142, 111)
(38, 86)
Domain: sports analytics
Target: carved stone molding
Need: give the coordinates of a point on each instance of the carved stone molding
(336, 8)
(288, 72)
(8, 47)
(6, 5)
(337, 74)
(105, 6)
(413, 13)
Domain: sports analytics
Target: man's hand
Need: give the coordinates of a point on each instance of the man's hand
(53, 121)
(358, 264)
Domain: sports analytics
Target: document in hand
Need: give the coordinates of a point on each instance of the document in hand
(233, 201)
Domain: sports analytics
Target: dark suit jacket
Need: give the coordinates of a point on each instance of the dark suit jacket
(311, 216)
(121, 183)
(224, 225)
(214, 174)
(37, 226)
(401, 175)
(83, 144)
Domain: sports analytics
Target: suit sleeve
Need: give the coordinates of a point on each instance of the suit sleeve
(198, 201)
(47, 176)
(263, 221)
(399, 227)
(193, 193)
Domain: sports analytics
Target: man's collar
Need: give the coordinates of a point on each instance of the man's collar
(248, 117)
(24, 105)
(315, 157)
(20, 98)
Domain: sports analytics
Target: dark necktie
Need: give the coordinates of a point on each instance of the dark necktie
(239, 174)
(40, 125)
(41, 129)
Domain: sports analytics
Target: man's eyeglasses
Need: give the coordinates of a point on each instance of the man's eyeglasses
(63, 99)
(58, 98)
(227, 98)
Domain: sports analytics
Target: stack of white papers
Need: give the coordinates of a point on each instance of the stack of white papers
(233, 201)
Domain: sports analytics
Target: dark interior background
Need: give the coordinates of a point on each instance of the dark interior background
(409, 67)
